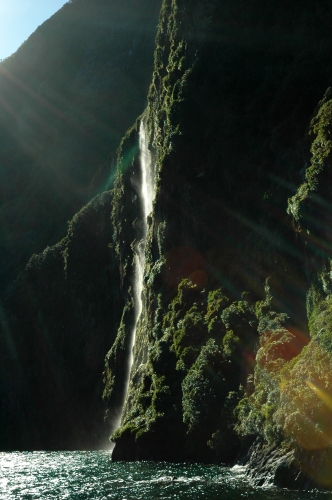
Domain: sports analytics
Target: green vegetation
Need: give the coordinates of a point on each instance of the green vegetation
(191, 379)
(310, 206)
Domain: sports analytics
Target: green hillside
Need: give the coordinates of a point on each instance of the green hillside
(67, 97)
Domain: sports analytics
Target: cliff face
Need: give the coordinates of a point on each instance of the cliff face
(231, 274)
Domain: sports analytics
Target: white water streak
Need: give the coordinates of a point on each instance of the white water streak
(147, 186)
(147, 193)
(146, 196)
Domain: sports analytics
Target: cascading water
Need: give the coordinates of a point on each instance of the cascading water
(146, 196)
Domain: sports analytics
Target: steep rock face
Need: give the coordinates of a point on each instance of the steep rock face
(67, 96)
(268, 465)
(233, 91)
(58, 322)
(296, 389)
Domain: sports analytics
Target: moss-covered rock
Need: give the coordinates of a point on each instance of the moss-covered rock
(226, 127)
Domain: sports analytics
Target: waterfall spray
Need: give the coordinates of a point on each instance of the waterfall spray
(146, 196)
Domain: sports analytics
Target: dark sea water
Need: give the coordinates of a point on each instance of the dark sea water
(92, 475)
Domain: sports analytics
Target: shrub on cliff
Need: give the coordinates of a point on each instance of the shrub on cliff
(306, 387)
(278, 347)
(311, 205)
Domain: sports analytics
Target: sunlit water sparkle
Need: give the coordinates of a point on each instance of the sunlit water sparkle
(92, 475)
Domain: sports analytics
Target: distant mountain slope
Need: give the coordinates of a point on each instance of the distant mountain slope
(57, 324)
(66, 98)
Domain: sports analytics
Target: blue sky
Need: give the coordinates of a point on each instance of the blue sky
(20, 18)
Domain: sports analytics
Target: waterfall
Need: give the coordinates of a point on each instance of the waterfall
(146, 194)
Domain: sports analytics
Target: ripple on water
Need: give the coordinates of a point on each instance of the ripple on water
(92, 475)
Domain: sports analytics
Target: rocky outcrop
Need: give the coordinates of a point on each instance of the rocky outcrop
(270, 465)
(286, 467)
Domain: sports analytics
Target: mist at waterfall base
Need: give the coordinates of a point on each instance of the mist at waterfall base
(93, 475)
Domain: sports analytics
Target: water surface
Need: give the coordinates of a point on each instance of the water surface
(92, 475)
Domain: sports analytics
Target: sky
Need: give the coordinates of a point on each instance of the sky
(20, 18)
